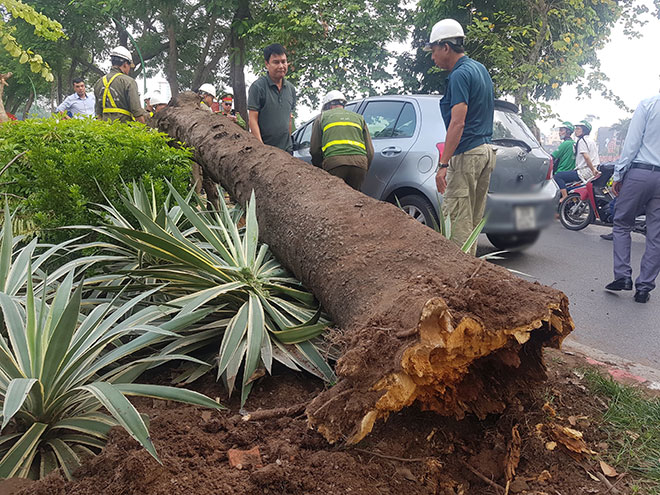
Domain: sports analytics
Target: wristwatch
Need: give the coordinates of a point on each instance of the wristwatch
(443, 165)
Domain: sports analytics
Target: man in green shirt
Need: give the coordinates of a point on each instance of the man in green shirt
(564, 156)
(341, 142)
(116, 93)
(271, 101)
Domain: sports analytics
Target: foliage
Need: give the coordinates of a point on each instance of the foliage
(59, 366)
(43, 27)
(632, 422)
(331, 45)
(73, 163)
(204, 258)
(531, 48)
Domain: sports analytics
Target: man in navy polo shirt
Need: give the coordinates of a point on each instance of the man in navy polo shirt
(271, 101)
(467, 110)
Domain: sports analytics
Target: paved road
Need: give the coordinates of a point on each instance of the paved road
(580, 264)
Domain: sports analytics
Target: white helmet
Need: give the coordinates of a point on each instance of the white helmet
(207, 88)
(157, 99)
(445, 30)
(123, 53)
(334, 95)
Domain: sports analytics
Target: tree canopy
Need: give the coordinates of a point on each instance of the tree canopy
(532, 48)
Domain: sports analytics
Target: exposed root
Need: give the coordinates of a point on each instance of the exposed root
(455, 369)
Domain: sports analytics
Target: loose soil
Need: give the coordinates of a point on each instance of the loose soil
(414, 452)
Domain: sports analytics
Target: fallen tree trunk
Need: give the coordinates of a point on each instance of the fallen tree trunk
(422, 321)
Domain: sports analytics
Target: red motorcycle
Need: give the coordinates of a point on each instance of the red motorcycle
(588, 202)
(591, 202)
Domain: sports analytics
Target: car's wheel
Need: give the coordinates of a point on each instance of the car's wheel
(516, 241)
(575, 213)
(419, 208)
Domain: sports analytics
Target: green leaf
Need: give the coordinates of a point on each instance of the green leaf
(233, 336)
(124, 412)
(15, 396)
(255, 336)
(21, 451)
(67, 458)
(168, 393)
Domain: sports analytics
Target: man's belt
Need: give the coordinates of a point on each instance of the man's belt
(645, 166)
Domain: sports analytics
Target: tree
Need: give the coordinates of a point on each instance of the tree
(422, 322)
(45, 28)
(532, 48)
(331, 44)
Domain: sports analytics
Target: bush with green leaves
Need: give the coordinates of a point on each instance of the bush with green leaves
(70, 164)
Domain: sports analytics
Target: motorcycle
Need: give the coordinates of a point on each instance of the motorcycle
(587, 203)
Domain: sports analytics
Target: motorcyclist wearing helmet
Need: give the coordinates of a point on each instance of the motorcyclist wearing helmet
(586, 160)
(117, 96)
(564, 157)
(207, 93)
(340, 141)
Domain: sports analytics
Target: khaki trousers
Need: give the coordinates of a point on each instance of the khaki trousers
(464, 200)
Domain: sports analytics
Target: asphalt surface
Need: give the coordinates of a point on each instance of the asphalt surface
(580, 264)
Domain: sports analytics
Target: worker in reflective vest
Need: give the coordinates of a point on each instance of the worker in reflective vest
(340, 141)
(116, 93)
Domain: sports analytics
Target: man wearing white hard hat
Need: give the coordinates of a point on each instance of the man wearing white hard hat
(467, 107)
(207, 93)
(117, 96)
(340, 141)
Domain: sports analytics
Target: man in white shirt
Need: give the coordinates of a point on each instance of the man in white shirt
(636, 182)
(79, 104)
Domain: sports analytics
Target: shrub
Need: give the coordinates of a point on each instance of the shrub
(73, 163)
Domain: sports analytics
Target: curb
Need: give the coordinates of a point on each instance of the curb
(619, 369)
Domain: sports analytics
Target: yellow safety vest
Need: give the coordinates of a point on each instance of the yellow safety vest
(107, 97)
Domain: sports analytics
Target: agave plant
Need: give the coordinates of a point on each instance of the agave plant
(64, 375)
(204, 258)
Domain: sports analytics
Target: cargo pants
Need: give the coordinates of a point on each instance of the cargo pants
(464, 201)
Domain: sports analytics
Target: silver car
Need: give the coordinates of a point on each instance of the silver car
(408, 134)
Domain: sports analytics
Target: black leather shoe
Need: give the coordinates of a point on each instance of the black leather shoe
(642, 296)
(620, 284)
(607, 237)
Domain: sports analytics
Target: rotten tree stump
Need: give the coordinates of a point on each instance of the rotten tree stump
(423, 322)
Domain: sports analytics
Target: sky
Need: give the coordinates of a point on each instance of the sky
(634, 72)
(632, 66)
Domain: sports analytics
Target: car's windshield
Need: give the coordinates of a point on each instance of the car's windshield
(508, 125)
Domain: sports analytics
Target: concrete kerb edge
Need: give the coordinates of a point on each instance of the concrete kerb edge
(615, 365)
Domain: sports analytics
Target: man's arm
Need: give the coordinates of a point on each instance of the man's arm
(134, 103)
(367, 143)
(63, 107)
(254, 124)
(454, 133)
(315, 143)
(631, 144)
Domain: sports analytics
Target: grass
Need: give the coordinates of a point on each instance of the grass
(632, 422)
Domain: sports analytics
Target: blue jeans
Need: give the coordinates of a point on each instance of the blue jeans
(561, 178)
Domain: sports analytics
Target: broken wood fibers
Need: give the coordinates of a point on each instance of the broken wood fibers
(422, 321)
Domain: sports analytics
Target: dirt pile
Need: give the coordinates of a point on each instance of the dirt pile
(414, 452)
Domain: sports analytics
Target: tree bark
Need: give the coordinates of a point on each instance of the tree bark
(421, 321)
(237, 60)
(3, 82)
(172, 57)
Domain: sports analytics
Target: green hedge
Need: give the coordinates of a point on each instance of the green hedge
(70, 164)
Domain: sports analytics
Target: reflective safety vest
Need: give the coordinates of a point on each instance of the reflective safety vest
(108, 102)
(342, 133)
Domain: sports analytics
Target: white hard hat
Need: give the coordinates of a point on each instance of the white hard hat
(122, 52)
(157, 99)
(445, 30)
(333, 95)
(208, 88)
(147, 96)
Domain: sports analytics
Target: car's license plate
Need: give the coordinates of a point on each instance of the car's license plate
(525, 217)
